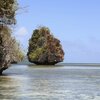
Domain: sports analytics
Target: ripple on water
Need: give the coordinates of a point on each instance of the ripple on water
(27, 83)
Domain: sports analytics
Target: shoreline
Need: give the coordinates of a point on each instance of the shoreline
(62, 64)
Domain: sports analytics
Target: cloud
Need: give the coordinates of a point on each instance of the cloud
(21, 32)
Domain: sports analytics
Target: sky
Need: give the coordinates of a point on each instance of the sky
(75, 22)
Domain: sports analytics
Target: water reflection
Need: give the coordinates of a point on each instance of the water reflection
(52, 83)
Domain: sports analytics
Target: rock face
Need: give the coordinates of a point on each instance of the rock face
(4, 49)
(7, 11)
(9, 50)
(44, 48)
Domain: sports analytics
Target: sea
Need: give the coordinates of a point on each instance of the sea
(71, 81)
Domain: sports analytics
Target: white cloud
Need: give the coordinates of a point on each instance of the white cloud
(22, 32)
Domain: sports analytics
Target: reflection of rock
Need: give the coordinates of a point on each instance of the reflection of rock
(44, 48)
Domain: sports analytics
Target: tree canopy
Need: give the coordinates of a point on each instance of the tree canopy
(8, 10)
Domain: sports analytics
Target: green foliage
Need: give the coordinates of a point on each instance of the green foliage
(37, 53)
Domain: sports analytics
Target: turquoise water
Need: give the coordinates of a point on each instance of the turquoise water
(23, 82)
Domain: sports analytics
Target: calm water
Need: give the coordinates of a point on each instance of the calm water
(22, 82)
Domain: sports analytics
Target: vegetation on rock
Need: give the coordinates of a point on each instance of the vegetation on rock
(7, 11)
(10, 51)
(44, 48)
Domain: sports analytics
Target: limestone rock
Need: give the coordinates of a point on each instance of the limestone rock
(44, 48)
